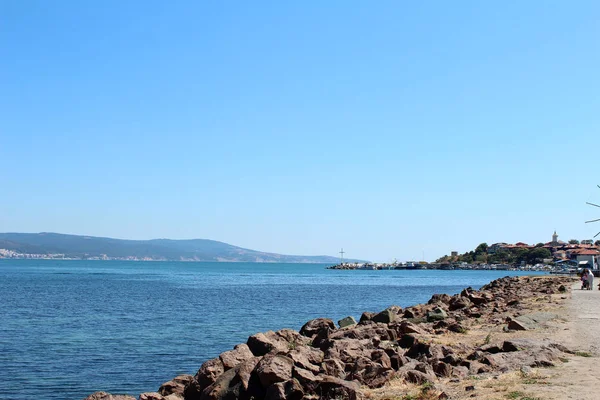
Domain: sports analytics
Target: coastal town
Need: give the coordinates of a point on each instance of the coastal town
(556, 256)
(15, 255)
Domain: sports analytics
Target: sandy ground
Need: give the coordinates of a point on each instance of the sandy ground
(579, 378)
(576, 377)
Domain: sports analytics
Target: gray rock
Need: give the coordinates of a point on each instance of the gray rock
(108, 396)
(348, 321)
(386, 316)
(436, 314)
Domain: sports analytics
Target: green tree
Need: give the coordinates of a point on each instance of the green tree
(520, 255)
(537, 255)
(481, 249)
(539, 245)
(501, 256)
(573, 241)
(597, 243)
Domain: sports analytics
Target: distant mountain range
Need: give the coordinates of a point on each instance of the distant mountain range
(90, 247)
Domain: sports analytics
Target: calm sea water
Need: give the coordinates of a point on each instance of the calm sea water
(69, 328)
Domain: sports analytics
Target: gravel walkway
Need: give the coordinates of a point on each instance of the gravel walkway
(580, 377)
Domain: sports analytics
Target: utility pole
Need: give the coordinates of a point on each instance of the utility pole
(342, 256)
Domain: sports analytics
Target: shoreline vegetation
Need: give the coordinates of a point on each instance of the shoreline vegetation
(397, 353)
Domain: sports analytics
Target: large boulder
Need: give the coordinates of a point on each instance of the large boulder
(175, 385)
(333, 367)
(386, 316)
(307, 358)
(283, 341)
(366, 316)
(314, 326)
(348, 321)
(370, 331)
(274, 368)
(439, 298)
(307, 379)
(209, 372)
(370, 373)
(235, 383)
(239, 354)
(404, 327)
(459, 302)
(437, 314)
(333, 388)
(288, 390)
(348, 350)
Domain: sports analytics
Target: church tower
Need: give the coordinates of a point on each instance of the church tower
(555, 237)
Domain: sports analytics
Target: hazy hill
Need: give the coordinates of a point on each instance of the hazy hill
(159, 249)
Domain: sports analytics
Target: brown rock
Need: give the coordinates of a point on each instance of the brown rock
(459, 302)
(348, 350)
(288, 390)
(332, 388)
(264, 343)
(234, 383)
(307, 379)
(151, 396)
(397, 361)
(220, 388)
(273, 369)
(366, 316)
(515, 325)
(193, 390)
(439, 298)
(417, 377)
(314, 326)
(175, 386)
(380, 356)
(239, 354)
(409, 313)
(209, 372)
(408, 327)
(307, 358)
(442, 369)
(333, 367)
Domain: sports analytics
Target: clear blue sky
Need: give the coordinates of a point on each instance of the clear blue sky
(389, 128)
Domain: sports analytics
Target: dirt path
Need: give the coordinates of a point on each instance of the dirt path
(579, 378)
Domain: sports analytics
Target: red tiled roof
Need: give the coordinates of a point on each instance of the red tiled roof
(586, 252)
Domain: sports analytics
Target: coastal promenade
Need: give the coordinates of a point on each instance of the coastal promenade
(579, 378)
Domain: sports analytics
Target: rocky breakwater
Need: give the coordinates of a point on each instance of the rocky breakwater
(328, 362)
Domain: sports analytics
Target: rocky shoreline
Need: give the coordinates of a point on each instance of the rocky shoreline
(322, 361)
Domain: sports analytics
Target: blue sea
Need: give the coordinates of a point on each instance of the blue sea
(69, 328)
